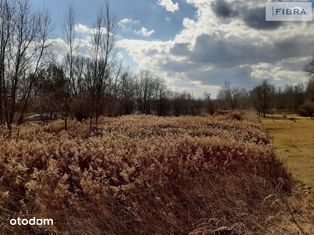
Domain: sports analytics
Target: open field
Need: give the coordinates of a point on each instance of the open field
(294, 144)
(146, 175)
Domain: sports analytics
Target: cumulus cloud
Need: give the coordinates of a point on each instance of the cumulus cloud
(127, 22)
(231, 51)
(128, 25)
(228, 40)
(85, 32)
(82, 42)
(80, 28)
(58, 46)
(145, 32)
(169, 5)
(223, 9)
(253, 16)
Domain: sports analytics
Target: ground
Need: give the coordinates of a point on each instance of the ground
(158, 175)
(293, 138)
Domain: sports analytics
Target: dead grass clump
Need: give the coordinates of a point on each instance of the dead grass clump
(143, 175)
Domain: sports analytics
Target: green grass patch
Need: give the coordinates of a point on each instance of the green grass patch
(294, 144)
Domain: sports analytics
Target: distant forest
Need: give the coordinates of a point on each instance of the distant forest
(84, 88)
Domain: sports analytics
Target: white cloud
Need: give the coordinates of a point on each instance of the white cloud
(145, 32)
(169, 5)
(80, 28)
(182, 71)
(128, 22)
(59, 48)
(86, 32)
(280, 73)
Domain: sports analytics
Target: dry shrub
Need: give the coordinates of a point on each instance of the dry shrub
(142, 175)
(307, 109)
(236, 116)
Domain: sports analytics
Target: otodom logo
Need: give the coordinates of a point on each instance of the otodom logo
(288, 11)
(33, 222)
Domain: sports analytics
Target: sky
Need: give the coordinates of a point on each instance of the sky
(196, 45)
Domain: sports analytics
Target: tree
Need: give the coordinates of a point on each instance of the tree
(307, 109)
(210, 106)
(225, 96)
(233, 98)
(309, 68)
(51, 90)
(310, 90)
(144, 91)
(261, 96)
(101, 59)
(244, 101)
(6, 28)
(161, 106)
(24, 35)
(70, 60)
(41, 45)
(127, 93)
(298, 97)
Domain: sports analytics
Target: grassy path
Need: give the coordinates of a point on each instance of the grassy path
(294, 144)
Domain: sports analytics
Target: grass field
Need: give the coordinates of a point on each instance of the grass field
(143, 175)
(294, 144)
(150, 175)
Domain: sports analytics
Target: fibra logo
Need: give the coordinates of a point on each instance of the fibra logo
(289, 11)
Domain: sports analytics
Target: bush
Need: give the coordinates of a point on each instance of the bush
(307, 109)
(80, 108)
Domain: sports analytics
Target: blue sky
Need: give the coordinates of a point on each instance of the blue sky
(149, 13)
(197, 45)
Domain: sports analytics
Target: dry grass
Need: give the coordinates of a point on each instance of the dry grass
(293, 137)
(294, 144)
(144, 175)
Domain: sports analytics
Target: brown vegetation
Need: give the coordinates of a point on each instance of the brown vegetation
(143, 175)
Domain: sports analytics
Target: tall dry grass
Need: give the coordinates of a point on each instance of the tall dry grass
(142, 175)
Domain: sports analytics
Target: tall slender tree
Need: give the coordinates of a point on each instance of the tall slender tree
(6, 27)
(101, 63)
(70, 61)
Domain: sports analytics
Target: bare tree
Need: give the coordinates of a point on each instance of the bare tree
(309, 68)
(160, 97)
(209, 104)
(6, 27)
(262, 97)
(235, 98)
(51, 88)
(116, 79)
(144, 91)
(127, 93)
(27, 33)
(39, 52)
(101, 59)
(225, 96)
(70, 61)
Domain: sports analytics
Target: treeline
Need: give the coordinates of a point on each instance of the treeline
(298, 99)
(86, 87)
(145, 93)
(81, 87)
(266, 98)
(123, 93)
